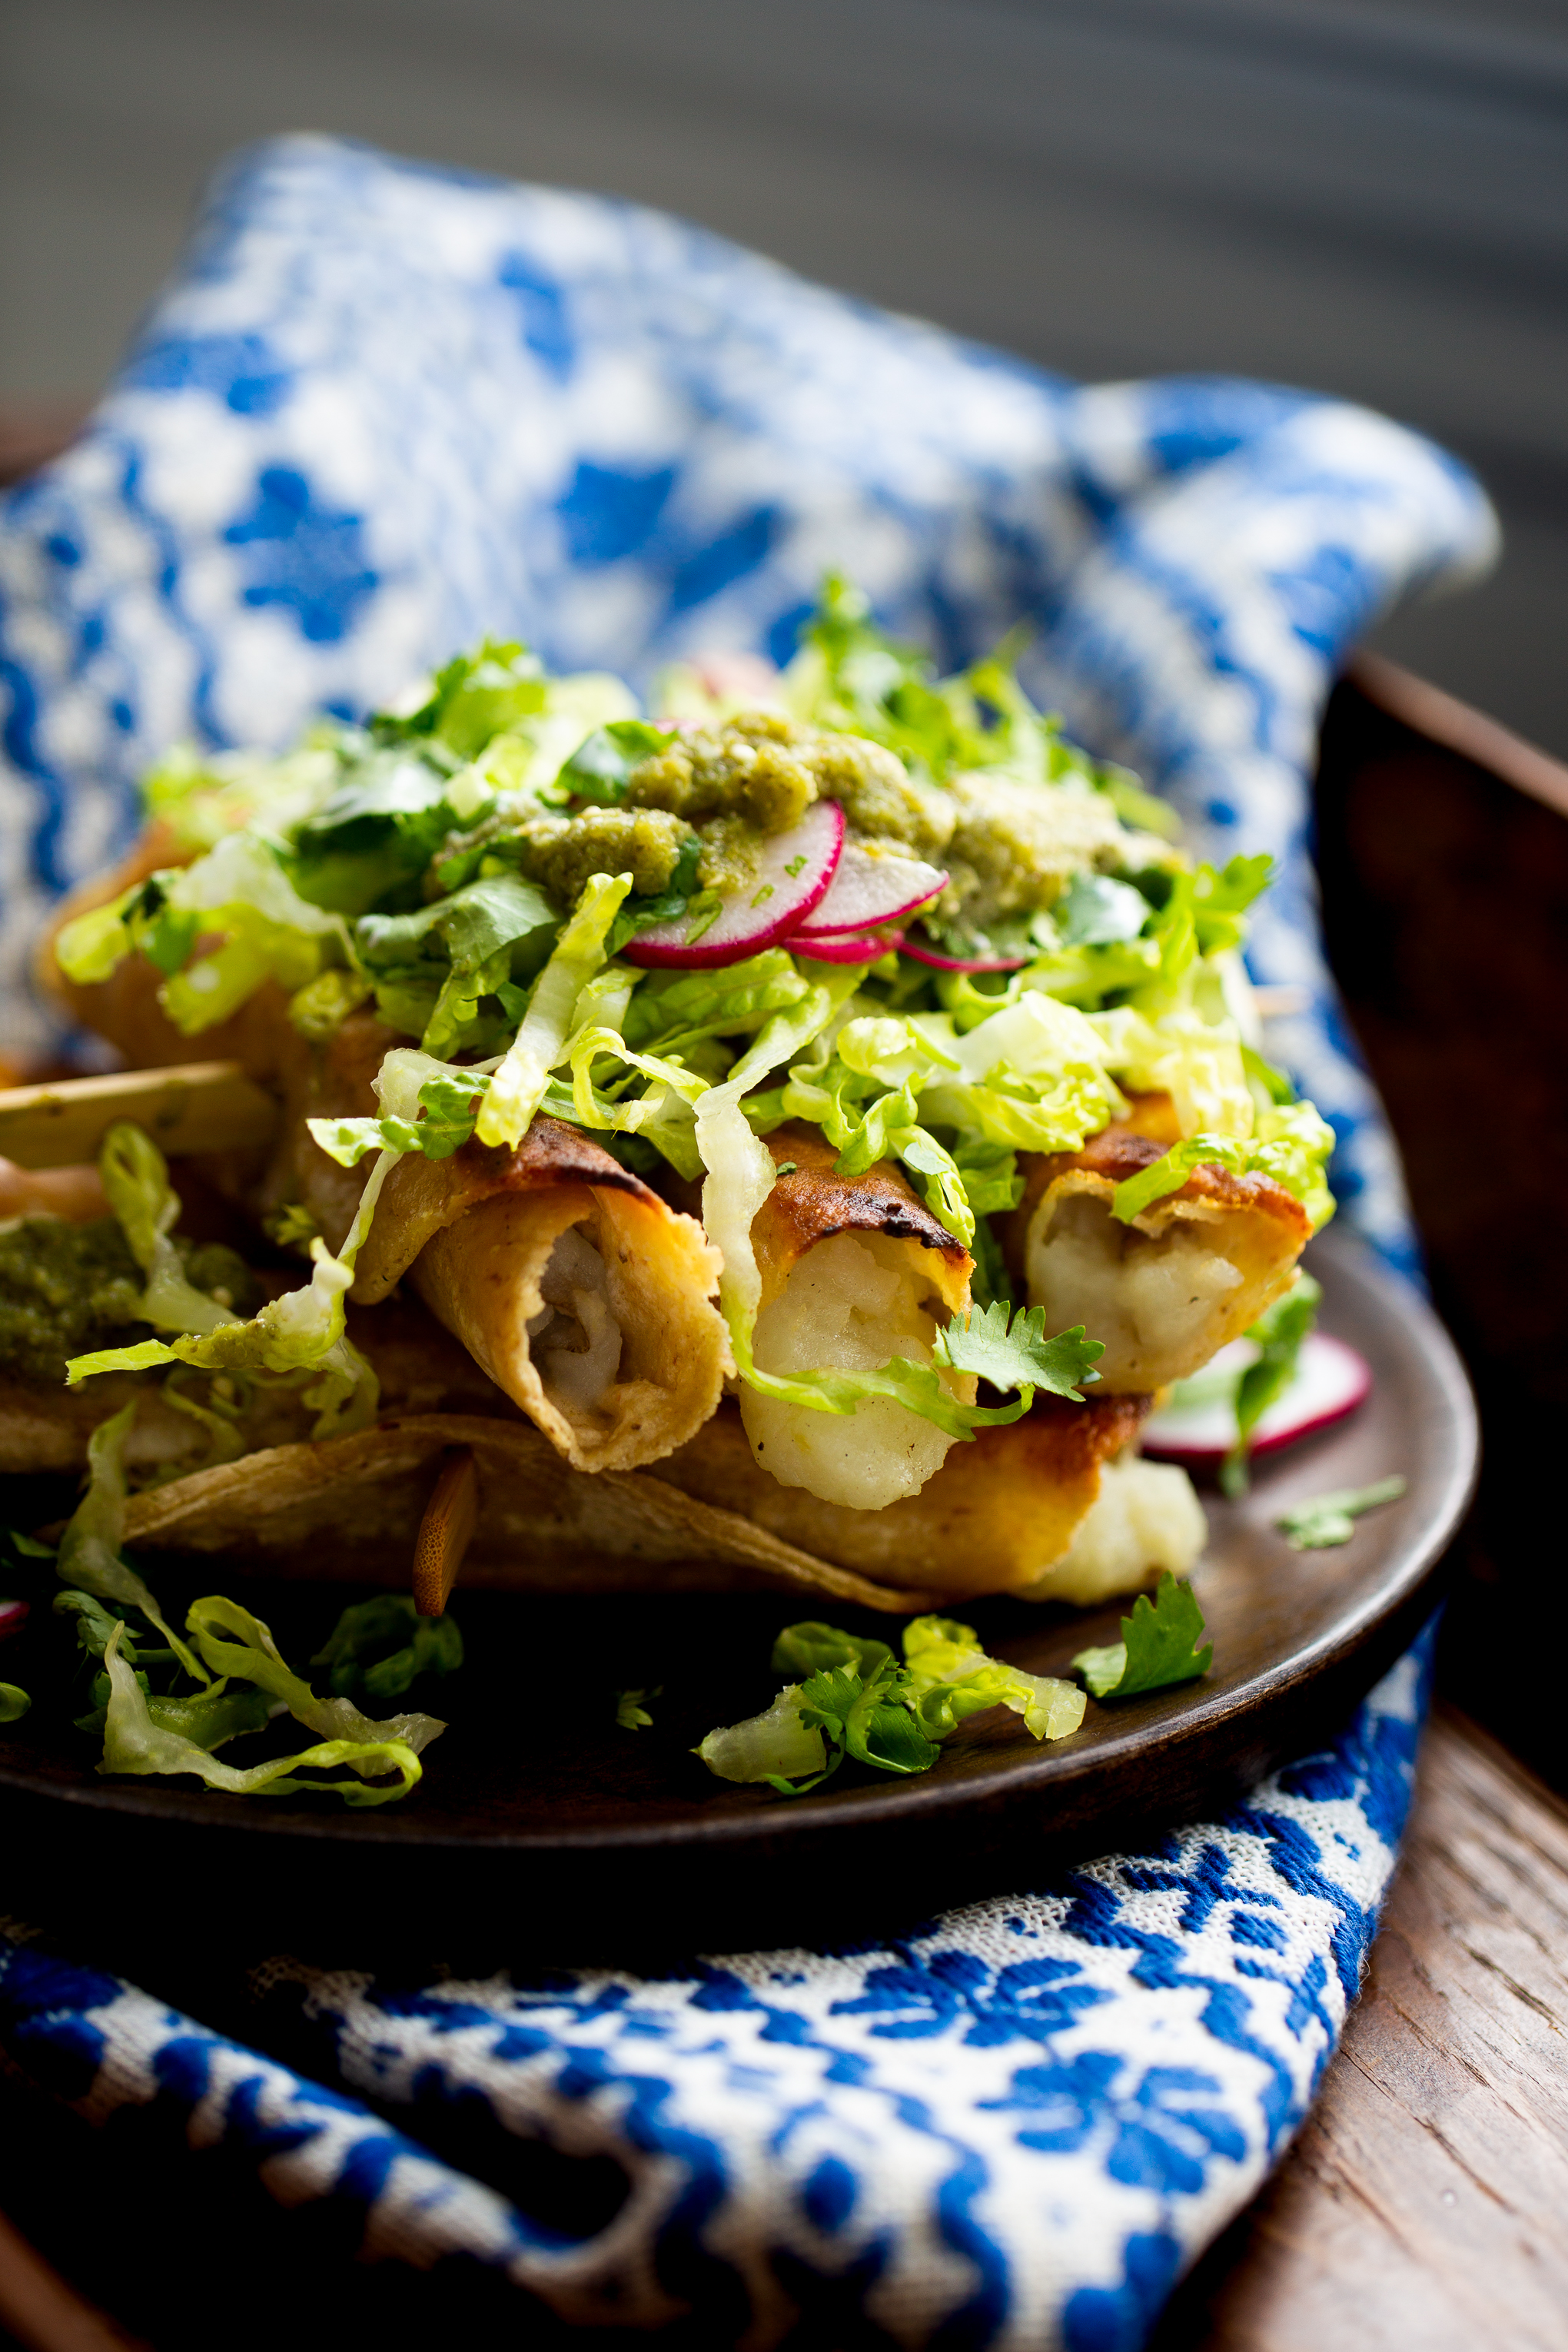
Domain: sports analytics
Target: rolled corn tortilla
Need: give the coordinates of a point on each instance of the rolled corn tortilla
(350, 1508)
(1000, 1511)
(419, 1369)
(1169, 1290)
(854, 1270)
(585, 1298)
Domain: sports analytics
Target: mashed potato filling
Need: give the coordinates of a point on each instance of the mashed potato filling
(848, 1304)
(575, 1339)
(1146, 1518)
(1151, 1301)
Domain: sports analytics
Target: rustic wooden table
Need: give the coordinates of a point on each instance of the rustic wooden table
(1425, 2201)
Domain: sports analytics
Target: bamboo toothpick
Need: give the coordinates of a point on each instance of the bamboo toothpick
(445, 1532)
(198, 1106)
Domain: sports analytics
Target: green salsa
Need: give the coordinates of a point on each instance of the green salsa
(67, 1289)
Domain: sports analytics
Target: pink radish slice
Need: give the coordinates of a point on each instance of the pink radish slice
(1330, 1381)
(923, 954)
(13, 1617)
(793, 874)
(868, 890)
(856, 947)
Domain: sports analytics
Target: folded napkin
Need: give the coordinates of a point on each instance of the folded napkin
(381, 411)
(1012, 2127)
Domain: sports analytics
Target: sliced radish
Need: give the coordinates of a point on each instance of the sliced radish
(868, 890)
(923, 952)
(792, 878)
(844, 947)
(1331, 1380)
(13, 1617)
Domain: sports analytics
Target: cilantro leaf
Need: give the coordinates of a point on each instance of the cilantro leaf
(811, 1647)
(1158, 1646)
(1020, 1356)
(378, 1647)
(631, 1714)
(1329, 1520)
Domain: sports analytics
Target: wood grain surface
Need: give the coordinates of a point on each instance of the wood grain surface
(1425, 2202)
(40, 2312)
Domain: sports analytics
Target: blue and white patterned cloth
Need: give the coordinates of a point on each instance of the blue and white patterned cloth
(1011, 2129)
(381, 411)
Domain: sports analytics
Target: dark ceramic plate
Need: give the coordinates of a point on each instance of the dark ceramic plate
(541, 1828)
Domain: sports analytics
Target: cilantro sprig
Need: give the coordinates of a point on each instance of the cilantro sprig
(1158, 1646)
(1330, 1520)
(1015, 1353)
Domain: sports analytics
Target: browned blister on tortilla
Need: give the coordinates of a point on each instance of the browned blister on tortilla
(352, 1508)
(813, 1203)
(1165, 1292)
(999, 1511)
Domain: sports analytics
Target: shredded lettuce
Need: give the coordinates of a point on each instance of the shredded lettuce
(89, 1555)
(518, 1086)
(777, 1747)
(135, 1178)
(430, 1107)
(133, 1741)
(1158, 1646)
(255, 1657)
(302, 1329)
(1291, 1144)
(14, 1702)
(240, 891)
(950, 1676)
(854, 1698)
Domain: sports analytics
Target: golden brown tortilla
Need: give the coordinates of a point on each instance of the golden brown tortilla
(352, 1508)
(1169, 1290)
(1000, 1510)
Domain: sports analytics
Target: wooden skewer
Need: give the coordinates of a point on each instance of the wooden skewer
(198, 1106)
(445, 1532)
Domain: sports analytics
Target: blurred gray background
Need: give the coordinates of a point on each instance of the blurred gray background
(1372, 199)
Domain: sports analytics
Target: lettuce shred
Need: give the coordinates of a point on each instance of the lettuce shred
(852, 1697)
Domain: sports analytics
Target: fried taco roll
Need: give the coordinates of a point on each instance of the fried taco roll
(124, 1010)
(1167, 1291)
(992, 1518)
(855, 1271)
(540, 1525)
(581, 1293)
(419, 1369)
